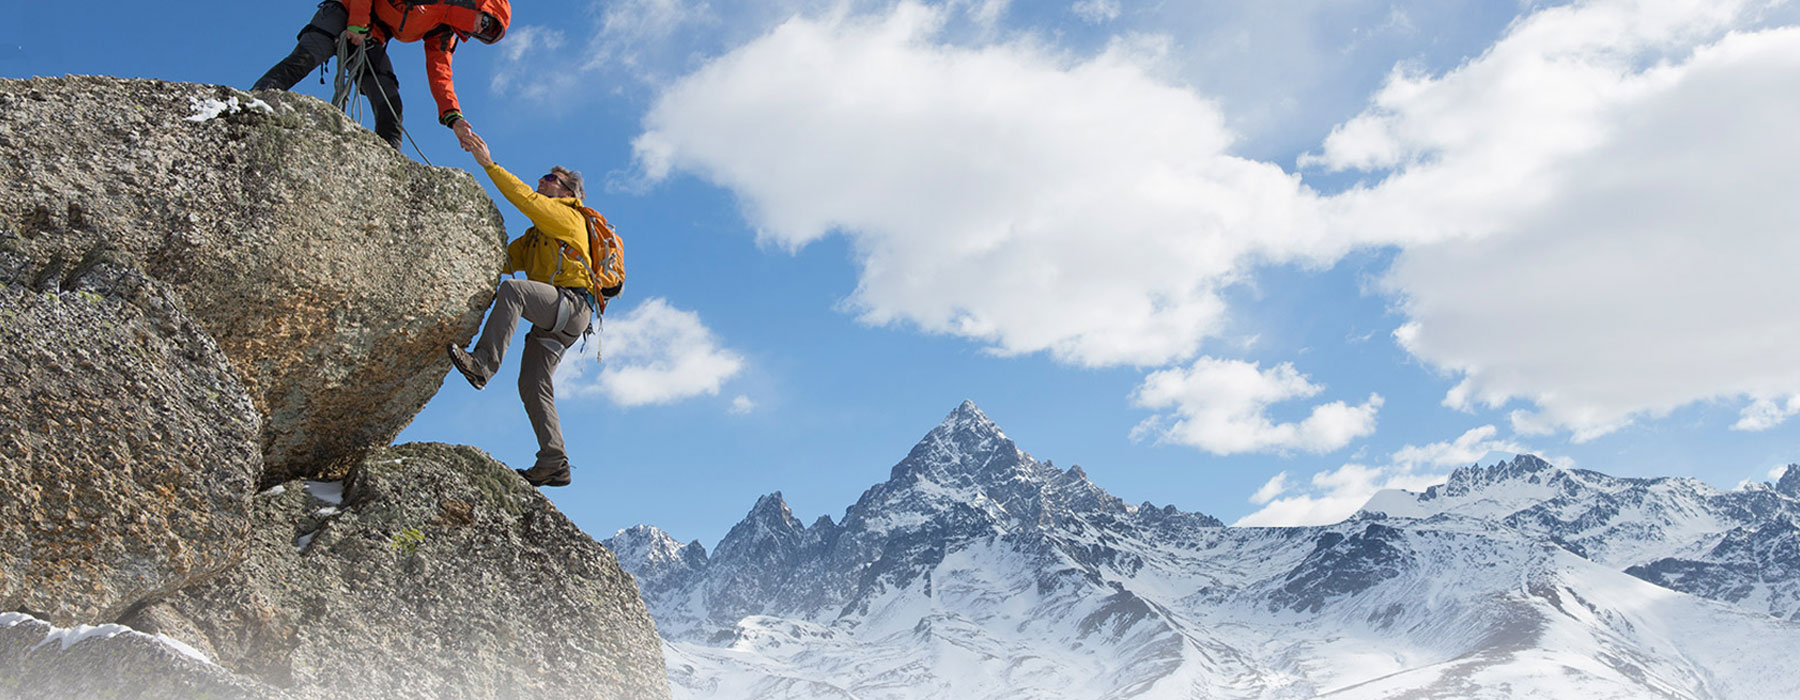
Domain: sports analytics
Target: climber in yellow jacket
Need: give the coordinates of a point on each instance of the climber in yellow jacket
(554, 297)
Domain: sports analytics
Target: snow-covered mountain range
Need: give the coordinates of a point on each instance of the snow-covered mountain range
(976, 571)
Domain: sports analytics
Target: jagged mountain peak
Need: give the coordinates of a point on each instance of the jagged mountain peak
(770, 526)
(1523, 466)
(1477, 491)
(974, 546)
(647, 548)
(1789, 484)
(645, 534)
(966, 423)
(966, 443)
(773, 506)
(968, 412)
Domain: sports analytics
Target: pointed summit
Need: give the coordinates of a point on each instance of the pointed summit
(967, 441)
(769, 530)
(1523, 468)
(772, 506)
(1789, 484)
(646, 548)
(969, 417)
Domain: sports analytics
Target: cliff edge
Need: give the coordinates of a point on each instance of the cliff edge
(217, 310)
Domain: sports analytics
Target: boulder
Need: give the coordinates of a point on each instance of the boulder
(433, 571)
(217, 309)
(111, 662)
(329, 268)
(127, 444)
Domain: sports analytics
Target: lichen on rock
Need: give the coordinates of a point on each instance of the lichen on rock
(440, 574)
(128, 446)
(329, 268)
(217, 310)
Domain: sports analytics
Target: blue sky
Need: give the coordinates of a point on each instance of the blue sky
(1252, 259)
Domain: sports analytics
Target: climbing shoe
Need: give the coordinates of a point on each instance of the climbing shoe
(465, 363)
(541, 476)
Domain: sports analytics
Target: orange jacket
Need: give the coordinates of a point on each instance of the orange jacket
(442, 23)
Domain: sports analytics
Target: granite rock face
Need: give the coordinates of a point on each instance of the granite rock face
(329, 268)
(217, 309)
(433, 571)
(127, 445)
(111, 662)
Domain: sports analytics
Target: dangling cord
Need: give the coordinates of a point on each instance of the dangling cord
(352, 65)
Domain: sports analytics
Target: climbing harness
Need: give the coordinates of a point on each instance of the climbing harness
(353, 63)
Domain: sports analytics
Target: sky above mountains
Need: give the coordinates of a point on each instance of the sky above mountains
(1252, 259)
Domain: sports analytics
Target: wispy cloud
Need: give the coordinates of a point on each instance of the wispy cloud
(1275, 486)
(1096, 11)
(1221, 406)
(1332, 495)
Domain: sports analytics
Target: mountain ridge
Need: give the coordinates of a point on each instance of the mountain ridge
(978, 571)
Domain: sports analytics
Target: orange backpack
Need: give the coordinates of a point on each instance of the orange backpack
(606, 267)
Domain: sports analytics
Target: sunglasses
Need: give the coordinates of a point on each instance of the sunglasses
(553, 178)
(489, 30)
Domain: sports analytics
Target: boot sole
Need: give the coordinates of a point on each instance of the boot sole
(475, 380)
(561, 479)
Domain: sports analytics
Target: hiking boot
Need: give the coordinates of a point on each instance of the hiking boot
(465, 363)
(543, 476)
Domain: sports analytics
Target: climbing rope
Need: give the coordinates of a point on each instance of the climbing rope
(352, 65)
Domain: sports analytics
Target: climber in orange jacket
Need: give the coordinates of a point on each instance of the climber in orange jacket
(441, 24)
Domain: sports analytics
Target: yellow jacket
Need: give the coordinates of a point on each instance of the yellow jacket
(555, 221)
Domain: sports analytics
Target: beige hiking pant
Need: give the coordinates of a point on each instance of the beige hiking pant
(558, 316)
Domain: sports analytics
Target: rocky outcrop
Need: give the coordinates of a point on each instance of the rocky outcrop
(433, 572)
(329, 270)
(217, 309)
(128, 446)
(111, 662)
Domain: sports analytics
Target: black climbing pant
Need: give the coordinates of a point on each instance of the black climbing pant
(317, 44)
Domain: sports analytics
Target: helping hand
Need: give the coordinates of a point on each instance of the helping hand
(465, 134)
(475, 145)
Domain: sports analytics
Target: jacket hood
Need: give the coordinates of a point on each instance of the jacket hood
(501, 10)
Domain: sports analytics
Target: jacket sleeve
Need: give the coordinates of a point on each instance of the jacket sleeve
(552, 218)
(438, 50)
(359, 12)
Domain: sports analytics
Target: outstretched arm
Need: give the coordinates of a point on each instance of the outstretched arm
(477, 147)
(551, 217)
(438, 52)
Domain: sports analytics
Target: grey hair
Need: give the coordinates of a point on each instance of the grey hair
(572, 180)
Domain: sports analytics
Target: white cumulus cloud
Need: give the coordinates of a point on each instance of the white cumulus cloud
(1593, 218)
(1336, 494)
(1764, 413)
(1003, 193)
(1596, 214)
(654, 354)
(1221, 406)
